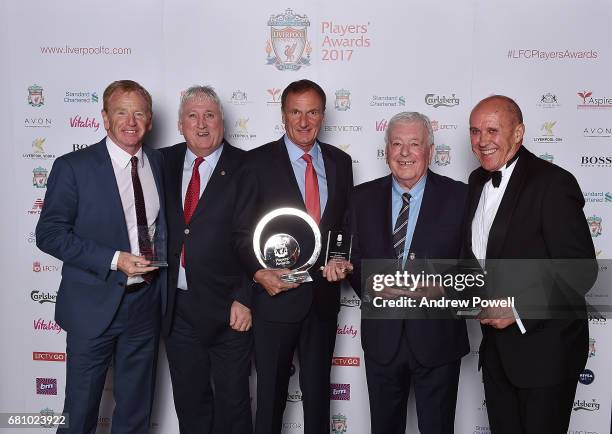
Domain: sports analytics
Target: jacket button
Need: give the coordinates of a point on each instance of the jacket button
(187, 231)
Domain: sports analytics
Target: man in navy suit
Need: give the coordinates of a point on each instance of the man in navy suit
(301, 172)
(206, 326)
(411, 213)
(101, 206)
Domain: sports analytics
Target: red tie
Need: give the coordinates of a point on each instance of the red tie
(313, 206)
(191, 198)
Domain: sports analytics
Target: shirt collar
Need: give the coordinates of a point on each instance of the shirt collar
(121, 157)
(211, 159)
(295, 152)
(416, 190)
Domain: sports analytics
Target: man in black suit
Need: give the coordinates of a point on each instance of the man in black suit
(522, 207)
(207, 321)
(301, 172)
(414, 213)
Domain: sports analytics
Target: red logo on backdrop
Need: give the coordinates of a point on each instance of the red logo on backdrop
(36, 207)
(79, 122)
(346, 361)
(44, 356)
(46, 386)
(37, 267)
(584, 95)
(347, 330)
(51, 326)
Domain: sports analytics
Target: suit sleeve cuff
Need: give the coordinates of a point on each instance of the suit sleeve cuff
(113, 265)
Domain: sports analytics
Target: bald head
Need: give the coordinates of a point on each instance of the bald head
(496, 131)
(504, 103)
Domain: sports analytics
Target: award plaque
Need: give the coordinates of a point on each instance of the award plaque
(339, 246)
(155, 245)
(282, 250)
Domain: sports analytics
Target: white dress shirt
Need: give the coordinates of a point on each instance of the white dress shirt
(206, 170)
(123, 175)
(490, 199)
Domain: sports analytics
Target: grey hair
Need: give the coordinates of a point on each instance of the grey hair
(407, 117)
(199, 91)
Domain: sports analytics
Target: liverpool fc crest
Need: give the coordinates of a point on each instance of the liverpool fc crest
(35, 96)
(442, 157)
(288, 47)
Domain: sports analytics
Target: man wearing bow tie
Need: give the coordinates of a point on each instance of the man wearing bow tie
(521, 207)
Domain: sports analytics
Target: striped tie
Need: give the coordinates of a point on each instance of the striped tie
(401, 226)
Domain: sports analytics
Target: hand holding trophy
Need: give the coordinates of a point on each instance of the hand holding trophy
(282, 250)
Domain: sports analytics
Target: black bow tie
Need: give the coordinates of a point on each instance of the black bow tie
(495, 177)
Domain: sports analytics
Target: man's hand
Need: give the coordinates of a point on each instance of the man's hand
(240, 317)
(133, 265)
(336, 270)
(497, 317)
(271, 281)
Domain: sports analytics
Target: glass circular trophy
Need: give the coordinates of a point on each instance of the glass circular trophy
(282, 250)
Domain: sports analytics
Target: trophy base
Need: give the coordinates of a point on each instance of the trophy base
(158, 264)
(297, 277)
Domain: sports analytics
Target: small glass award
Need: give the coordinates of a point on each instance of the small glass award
(339, 245)
(282, 250)
(154, 249)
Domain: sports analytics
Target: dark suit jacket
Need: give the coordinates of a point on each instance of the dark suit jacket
(82, 224)
(540, 217)
(437, 235)
(271, 184)
(214, 276)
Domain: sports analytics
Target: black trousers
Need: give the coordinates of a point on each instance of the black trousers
(314, 338)
(435, 391)
(209, 368)
(514, 410)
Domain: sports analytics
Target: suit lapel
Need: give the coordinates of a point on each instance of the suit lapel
(427, 216)
(499, 228)
(385, 197)
(175, 161)
(330, 174)
(475, 191)
(157, 175)
(281, 157)
(105, 176)
(217, 182)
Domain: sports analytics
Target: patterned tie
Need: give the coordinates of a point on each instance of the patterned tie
(401, 226)
(192, 196)
(144, 242)
(313, 205)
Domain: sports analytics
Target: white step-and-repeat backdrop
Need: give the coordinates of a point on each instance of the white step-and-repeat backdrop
(374, 59)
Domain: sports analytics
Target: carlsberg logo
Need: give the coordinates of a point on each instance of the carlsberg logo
(43, 297)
